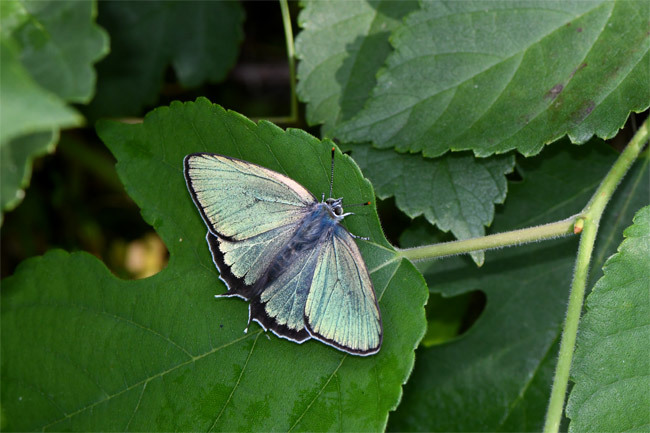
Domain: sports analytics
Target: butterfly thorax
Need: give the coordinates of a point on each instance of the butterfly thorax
(319, 223)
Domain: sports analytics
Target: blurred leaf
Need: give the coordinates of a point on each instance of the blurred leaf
(497, 376)
(611, 368)
(200, 39)
(341, 47)
(17, 157)
(60, 42)
(492, 76)
(96, 353)
(46, 56)
(12, 16)
(456, 192)
(26, 107)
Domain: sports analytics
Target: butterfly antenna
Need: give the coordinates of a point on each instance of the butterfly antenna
(332, 174)
(358, 204)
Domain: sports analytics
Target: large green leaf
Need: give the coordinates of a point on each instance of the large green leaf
(341, 47)
(492, 76)
(200, 39)
(83, 350)
(456, 192)
(611, 368)
(497, 376)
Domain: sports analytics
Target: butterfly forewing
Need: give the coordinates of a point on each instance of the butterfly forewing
(239, 200)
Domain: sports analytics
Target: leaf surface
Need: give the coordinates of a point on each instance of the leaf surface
(83, 350)
(199, 39)
(611, 367)
(341, 47)
(26, 107)
(60, 42)
(492, 76)
(46, 58)
(497, 376)
(17, 157)
(456, 192)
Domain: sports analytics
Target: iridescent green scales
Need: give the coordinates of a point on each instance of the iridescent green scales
(286, 253)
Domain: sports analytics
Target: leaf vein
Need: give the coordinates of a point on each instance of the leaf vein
(319, 393)
(241, 373)
(148, 379)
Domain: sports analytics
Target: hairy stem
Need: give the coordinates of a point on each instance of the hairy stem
(515, 237)
(591, 214)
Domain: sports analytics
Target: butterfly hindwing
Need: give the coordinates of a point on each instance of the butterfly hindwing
(249, 258)
(341, 308)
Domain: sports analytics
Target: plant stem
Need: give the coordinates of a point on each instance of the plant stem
(592, 215)
(288, 35)
(515, 237)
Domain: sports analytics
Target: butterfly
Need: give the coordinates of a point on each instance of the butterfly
(287, 254)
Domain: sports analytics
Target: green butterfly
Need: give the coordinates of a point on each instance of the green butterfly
(286, 253)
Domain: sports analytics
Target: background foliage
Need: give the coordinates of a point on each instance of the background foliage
(398, 85)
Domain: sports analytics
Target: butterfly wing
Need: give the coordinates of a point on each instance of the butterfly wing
(251, 213)
(239, 200)
(287, 305)
(341, 308)
(281, 304)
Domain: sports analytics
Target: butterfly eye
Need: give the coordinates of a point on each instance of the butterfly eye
(338, 210)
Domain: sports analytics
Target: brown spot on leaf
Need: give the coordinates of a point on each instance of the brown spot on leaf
(556, 90)
(579, 30)
(582, 66)
(585, 109)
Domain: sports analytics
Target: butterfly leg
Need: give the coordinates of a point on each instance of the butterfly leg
(360, 237)
(249, 320)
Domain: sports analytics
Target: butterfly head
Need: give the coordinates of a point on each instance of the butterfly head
(335, 206)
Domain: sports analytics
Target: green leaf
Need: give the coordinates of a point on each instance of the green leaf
(611, 368)
(46, 58)
(501, 75)
(12, 16)
(146, 40)
(341, 48)
(17, 157)
(26, 107)
(60, 42)
(83, 350)
(456, 192)
(497, 376)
